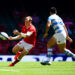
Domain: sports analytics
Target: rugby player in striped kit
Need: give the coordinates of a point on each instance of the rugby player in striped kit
(60, 36)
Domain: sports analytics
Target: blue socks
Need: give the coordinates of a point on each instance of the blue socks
(49, 53)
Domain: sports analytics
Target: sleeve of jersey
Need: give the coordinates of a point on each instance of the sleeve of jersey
(49, 19)
(31, 31)
(62, 23)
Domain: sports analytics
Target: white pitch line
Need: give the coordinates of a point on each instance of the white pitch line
(9, 70)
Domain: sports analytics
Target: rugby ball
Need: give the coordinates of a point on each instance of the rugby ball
(3, 35)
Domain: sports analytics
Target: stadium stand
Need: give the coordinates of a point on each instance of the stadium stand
(10, 20)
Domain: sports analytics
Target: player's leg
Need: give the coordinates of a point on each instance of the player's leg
(24, 52)
(18, 49)
(26, 48)
(61, 41)
(50, 45)
(15, 49)
(63, 49)
(18, 57)
(18, 53)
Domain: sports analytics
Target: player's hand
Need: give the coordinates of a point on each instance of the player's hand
(16, 32)
(45, 35)
(69, 39)
(10, 38)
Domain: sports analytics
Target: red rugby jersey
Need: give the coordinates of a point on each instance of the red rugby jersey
(31, 39)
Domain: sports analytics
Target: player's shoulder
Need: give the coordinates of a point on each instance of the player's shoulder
(32, 27)
(23, 27)
(52, 16)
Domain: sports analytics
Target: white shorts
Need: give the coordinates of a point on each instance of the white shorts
(60, 37)
(25, 45)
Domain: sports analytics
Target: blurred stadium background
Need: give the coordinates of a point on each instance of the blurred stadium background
(13, 12)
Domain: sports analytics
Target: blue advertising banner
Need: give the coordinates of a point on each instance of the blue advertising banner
(33, 58)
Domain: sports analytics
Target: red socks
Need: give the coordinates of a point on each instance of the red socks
(18, 53)
(12, 64)
(16, 61)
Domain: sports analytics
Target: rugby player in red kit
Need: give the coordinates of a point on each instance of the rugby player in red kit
(28, 34)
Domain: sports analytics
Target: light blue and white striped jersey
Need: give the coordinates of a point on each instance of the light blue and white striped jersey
(56, 23)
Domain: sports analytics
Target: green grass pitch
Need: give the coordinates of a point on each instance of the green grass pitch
(35, 68)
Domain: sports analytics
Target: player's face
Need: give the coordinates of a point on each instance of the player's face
(27, 22)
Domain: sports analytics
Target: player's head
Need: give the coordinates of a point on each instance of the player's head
(28, 20)
(53, 10)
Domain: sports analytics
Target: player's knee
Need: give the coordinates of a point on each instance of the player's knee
(25, 52)
(13, 50)
(49, 46)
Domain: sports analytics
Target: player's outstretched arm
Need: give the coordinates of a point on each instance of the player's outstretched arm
(16, 32)
(14, 38)
(22, 35)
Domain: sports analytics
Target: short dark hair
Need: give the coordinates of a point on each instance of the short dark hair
(53, 10)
